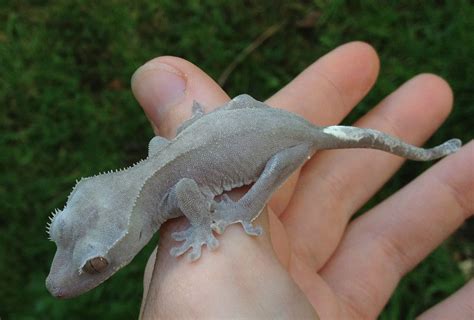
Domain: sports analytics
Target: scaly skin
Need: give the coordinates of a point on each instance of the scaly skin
(108, 218)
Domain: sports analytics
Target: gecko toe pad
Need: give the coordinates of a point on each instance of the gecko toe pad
(250, 229)
(221, 225)
(194, 238)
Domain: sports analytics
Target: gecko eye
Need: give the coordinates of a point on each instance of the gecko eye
(95, 265)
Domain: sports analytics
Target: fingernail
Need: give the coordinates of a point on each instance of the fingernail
(160, 85)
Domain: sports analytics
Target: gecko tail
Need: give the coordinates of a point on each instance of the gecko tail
(353, 137)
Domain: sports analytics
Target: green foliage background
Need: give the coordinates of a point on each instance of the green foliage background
(67, 111)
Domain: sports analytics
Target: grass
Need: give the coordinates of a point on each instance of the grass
(67, 111)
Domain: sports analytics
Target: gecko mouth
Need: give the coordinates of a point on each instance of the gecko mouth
(72, 286)
(65, 281)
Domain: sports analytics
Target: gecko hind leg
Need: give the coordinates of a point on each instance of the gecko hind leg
(196, 207)
(227, 212)
(278, 168)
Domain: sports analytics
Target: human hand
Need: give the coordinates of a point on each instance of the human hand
(311, 256)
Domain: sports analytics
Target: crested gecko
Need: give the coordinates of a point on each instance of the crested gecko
(110, 217)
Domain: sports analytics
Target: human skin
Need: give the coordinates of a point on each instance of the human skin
(312, 258)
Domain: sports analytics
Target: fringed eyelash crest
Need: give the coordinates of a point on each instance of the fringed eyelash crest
(51, 219)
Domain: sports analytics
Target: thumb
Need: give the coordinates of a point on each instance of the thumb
(166, 86)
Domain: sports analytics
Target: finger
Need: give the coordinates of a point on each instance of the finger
(458, 306)
(329, 88)
(166, 86)
(325, 92)
(400, 232)
(412, 113)
(150, 265)
(316, 290)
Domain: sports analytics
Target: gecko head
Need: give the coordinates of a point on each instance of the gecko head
(85, 233)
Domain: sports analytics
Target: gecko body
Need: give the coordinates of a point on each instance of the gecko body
(108, 218)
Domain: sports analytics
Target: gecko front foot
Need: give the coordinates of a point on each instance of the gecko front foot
(194, 237)
(228, 212)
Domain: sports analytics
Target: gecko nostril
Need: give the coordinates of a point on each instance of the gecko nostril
(54, 290)
(59, 294)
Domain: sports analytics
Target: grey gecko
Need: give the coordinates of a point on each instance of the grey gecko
(108, 218)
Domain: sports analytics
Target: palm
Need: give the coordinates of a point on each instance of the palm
(319, 260)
